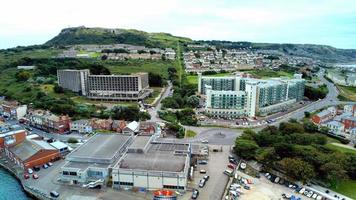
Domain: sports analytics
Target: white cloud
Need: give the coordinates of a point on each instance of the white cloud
(200, 19)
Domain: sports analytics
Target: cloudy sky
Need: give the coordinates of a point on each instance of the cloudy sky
(331, 22)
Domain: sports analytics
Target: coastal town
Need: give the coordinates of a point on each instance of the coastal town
(177, 100)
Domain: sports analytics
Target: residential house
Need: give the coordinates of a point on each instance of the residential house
(148, 128)
(12, 109)
(131, 128)
(31, 153)
(349, 122)
(11, 138)
(118, 125)
(335, 127)
(322, 117)
(101, 124)
(82, 126)
(50, 122)
(350, 108)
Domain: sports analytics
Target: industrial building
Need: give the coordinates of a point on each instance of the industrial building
(105, 87)
(239, 96)
(91, 161)
(131, 161)
(31, 152)
(153, 165)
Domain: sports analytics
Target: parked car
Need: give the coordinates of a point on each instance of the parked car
(206, 177)
(231, 166)
(233, 161)
(202, 162)
(231, 157)
(29, 170)
(195, 194)
(202, 183)
(202, 171)
(246, 187)
(205, 141)
(45, 166)
(35, 176)
(50, 164)
(36, 168)
(54, 194)
(26, 176)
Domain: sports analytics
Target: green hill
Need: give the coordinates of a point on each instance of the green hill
(84, 35)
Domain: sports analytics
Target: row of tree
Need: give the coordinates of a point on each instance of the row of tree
(298, 151)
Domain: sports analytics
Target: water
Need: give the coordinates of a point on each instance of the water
(10, 188)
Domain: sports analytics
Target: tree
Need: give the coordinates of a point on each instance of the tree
(310, 127)
(58, 89)
(245, 148)
(130, 113)
(289, 128)
(143, 116)
(169, 102)
(297, 169)
(155, 80)
(335, 172)
(307, 114)
(22, 76)
(72, 140)
(193, 101)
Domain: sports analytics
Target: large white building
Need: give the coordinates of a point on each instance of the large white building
(105, 87)
(238, 96)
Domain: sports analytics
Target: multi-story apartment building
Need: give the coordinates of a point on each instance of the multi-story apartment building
(236, 96)
(106, 87)
(74, 80)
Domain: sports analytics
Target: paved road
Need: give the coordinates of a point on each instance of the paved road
(153, 110)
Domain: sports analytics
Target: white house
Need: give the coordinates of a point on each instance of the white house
(82, 126)
(335, 127)
(132, 127)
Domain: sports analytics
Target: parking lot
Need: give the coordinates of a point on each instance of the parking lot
(215, 186)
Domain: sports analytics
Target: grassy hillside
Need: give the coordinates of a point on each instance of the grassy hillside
(83, 35)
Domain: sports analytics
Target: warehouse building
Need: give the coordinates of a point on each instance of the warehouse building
(153, 165)
(91, 161)
(32, 152)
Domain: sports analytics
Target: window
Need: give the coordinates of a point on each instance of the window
(126, 183)
(173, 187)
(73, 173)
(65, 173)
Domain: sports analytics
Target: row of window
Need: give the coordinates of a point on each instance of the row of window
(69, 173)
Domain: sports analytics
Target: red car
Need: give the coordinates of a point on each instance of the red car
(231, 166)
(35, 176)
(26, 176)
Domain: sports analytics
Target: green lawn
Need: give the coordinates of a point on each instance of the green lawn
(154, 95)
(190, 133)
(348, 92)
(340, 149)
(266, 73)
(347, 187)
(134, 66)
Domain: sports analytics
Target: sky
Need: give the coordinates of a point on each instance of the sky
(329, 22)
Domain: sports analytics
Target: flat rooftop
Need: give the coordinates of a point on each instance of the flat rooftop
(140, 142)
(100, 146)
(83, 166)
(159, 157)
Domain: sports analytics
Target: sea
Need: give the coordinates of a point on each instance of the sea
(10, 188)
